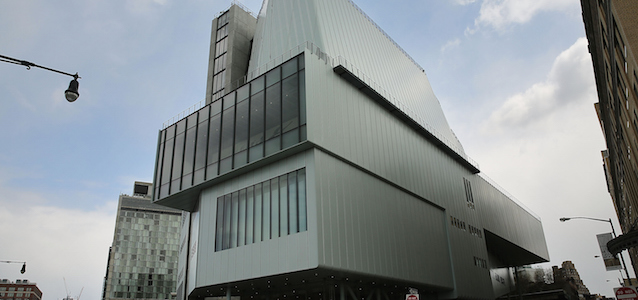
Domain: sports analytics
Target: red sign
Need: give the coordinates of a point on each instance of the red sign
(626, 293)
(416, 297)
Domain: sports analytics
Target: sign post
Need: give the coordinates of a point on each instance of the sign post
(612, 262)
(626, 293)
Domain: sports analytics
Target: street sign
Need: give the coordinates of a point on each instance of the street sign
(612, 262)
(416, 297)
(626, 293)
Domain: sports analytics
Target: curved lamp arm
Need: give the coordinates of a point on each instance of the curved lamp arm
(71, 94)
(24, 264)
(563, 219)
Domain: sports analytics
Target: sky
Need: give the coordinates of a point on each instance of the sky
(514, 79)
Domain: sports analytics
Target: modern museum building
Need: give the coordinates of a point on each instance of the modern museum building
(321, 166)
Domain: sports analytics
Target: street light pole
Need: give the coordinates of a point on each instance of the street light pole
(71, 94)
(613, 232)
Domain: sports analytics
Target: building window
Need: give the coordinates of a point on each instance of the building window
(270, 209)
(256, 120)
(222, 20)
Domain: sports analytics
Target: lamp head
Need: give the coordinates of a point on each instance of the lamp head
(564, 219)
(72, 93)
(24, 268)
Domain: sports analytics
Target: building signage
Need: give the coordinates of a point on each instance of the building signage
(626, 293)
(612, 262)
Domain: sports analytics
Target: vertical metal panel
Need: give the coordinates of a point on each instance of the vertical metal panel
(396, 153)
(341, 30)
(368, 229)
(285, 254)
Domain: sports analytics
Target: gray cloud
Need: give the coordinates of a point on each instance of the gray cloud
(544, 145)
(58, 244)
(500, 14)
(570, 80)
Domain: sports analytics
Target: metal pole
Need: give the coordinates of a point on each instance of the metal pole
(30, 64)
(622, 259)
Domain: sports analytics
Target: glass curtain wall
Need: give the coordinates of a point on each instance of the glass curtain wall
(145, 252)
(267, 210)
(256, 120)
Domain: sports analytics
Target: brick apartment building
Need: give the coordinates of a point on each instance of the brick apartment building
(21, 289)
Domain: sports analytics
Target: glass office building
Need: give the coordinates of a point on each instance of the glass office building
(325, 169)
(143, 258)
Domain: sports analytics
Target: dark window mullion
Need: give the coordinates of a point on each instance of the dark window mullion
(232, 151)
(281, 113)
(159, 164)
(206, 144)
(298, 107)
(194, 149)
(181, 172)
(263, 150)
(219, 141)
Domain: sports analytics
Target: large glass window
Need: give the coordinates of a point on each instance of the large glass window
(290, 103)
(301, 201)
(256, 120)
(220, 63)
(258, 213)
(222, 32)
(222, 20)
(274, 208)
(241, 228)
(226, 150)
(293, 212)
(241, 134)
(234, 219)
(283, 206)
(250, 215)
(200, 146)
(158, 164)
(213, 145)
(257, 115)
(189, 152)
(273, 118)
(227, 221)
(265, 188)
(218, 81)
(178, 156)
(221, 47)
(270, 209)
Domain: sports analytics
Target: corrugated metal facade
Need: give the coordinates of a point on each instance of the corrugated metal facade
(340, 29)
(385, 204)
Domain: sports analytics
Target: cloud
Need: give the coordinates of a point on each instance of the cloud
(144, 6)
(450, 44)
(499, 14)
(569, 80)
(543, 145)
(58, 245)
(463, 2)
